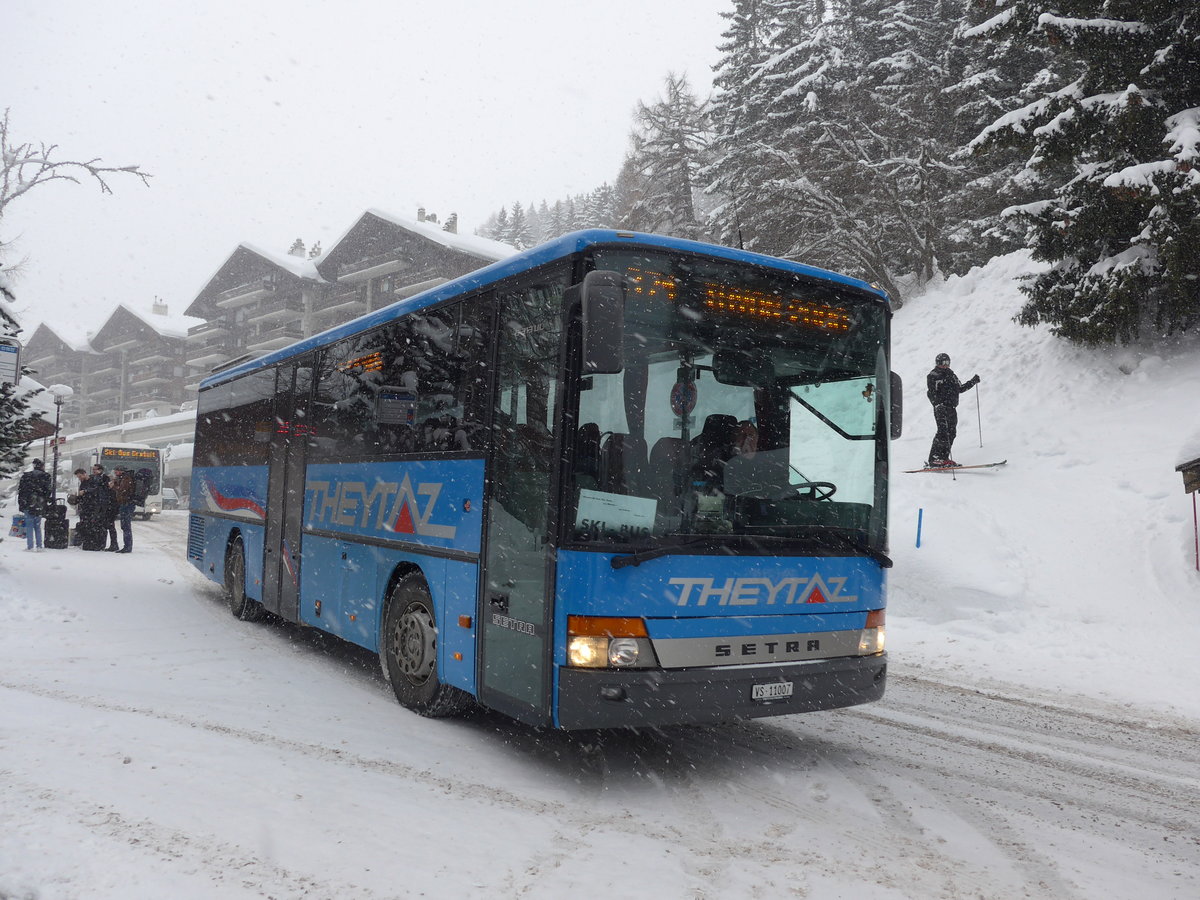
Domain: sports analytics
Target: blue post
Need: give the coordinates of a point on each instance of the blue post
(920, 515)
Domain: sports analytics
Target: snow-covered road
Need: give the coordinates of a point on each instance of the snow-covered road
(151, 746)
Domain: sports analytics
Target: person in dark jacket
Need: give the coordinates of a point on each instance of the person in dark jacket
(943, 390)
(34, 496)
(96, 508)
(123, 488)
(102, 485)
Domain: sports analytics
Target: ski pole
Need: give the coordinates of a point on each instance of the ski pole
(979, 415)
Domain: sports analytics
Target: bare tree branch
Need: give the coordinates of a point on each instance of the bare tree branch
(25, 166)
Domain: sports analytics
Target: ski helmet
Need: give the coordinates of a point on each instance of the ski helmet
(943, 359)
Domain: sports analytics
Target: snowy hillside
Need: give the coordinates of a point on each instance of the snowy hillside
(1072, 567)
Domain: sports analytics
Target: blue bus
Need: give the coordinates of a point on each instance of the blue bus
(616, 480)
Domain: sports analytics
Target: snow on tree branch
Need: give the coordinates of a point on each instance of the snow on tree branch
(25, 166)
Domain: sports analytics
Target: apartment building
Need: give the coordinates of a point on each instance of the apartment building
(259, 301)
(142, 366)
(131, 367)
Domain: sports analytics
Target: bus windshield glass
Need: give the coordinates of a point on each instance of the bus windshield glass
(752, 403)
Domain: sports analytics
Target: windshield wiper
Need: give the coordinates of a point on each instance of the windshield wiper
(862, 547)
(827, 539)
(640, 556)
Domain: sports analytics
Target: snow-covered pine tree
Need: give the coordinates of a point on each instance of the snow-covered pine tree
(15, 417)
(667, 150)
(996, 63)
(502, 230)
(736, 113)
(1122, 233)
(810, 185)
(909, 74)
(519, 234)
(604, 206)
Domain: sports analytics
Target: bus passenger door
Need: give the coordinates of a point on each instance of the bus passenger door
(285, 490)
(516, 608)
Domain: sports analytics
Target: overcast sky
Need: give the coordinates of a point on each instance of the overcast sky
(264, 121)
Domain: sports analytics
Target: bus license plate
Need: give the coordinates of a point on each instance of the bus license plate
(775, 691)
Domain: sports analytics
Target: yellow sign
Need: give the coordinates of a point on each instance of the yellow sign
(128, 453)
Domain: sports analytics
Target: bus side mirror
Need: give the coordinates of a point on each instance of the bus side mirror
(897, 401)
(602, 298)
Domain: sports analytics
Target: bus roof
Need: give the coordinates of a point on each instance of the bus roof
(558, 248)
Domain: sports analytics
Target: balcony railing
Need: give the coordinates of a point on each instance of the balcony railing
(153, 355)
(342, 307)
(276, 310)
(136, 398)
(207, 331)
(245, 294)
(148, 377)
(274, 338)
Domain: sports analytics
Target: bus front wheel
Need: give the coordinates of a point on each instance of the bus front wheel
(242, 607)
(408, 652)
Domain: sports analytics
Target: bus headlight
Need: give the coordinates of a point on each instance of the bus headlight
(599, 642)
(872, 639)
(587, 652)
(623, 652)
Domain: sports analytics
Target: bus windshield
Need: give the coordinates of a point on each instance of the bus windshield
(752, 403)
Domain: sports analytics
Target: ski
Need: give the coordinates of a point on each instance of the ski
(990, 465)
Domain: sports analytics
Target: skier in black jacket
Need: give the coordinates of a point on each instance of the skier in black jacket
(944, 388)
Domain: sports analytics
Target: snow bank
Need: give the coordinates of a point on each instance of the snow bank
(1070, 569)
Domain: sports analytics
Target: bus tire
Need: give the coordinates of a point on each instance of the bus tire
(242, 607)
(408, 652)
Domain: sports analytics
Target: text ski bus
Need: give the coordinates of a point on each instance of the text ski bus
(616, 480)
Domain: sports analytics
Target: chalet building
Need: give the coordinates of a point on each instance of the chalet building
(131, 367)
(256, 302)
(142, 366)
(260, 301)
(137, 366)
(383, 258)
(54, 359)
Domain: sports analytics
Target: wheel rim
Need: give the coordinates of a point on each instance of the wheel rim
(414, 644)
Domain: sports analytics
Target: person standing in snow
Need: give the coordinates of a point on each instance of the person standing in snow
(943, 390)
(33, 499)
(88, 531)
(123, 487)
(101, 486)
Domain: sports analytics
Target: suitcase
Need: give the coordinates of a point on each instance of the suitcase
(56, 528)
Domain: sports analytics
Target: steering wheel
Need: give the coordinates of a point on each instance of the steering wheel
(817, 490)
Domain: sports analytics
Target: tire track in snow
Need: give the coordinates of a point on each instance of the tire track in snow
(223, 863)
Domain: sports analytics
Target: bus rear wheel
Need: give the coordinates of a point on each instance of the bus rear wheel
(242, 607)
(408, 652)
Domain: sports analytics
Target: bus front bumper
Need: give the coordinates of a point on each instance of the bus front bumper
(608, 698)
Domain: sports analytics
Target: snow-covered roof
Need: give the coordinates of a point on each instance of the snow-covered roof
(180, 452)
(77, 342)
(174, 325)
(1190, 450)
(484, 248)
(42, 401)
(129, 429)
(297, 265)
